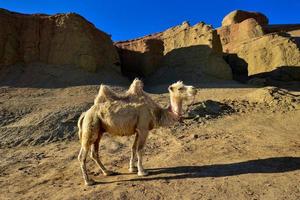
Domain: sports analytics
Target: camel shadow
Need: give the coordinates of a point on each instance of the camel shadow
(265, 166)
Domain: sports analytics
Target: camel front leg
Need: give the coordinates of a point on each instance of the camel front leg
(132, 167)
(140, 146)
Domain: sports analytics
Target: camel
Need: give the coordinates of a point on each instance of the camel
(134, 113)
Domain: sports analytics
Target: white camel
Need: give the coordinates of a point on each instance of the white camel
(126, 115)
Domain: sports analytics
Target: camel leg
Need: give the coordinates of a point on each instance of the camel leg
(140, 145)
(132, 167)
(95, 156)
(82, 158)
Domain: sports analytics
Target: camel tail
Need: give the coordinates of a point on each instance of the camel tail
(79, 124)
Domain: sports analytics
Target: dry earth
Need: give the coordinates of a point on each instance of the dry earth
(236, 143)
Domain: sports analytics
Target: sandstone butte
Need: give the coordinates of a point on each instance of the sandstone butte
(250, 46)
(190, 53)
(253, 47)
(61, 39)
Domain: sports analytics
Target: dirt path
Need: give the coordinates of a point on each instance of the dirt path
(238, 144)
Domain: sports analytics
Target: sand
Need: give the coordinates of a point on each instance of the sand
(237, 142)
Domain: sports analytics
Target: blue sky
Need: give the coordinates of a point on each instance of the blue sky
(127, 19)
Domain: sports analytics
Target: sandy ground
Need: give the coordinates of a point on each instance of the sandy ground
(238, 143)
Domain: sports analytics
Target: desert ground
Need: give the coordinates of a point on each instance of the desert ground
(237, 142)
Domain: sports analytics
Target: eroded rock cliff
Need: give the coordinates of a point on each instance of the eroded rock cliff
(273, 55)
(235, 34)
(191, 53)
(253, 48)
(61, 39)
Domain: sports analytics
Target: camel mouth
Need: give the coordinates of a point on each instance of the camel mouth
(191, 91)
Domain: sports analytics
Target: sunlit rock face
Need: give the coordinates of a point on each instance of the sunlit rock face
(237, 16)
(183, 52)
(254, 48)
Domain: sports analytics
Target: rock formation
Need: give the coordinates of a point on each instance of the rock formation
(253, 48)
(35, 48)
(238, 16)
(271, 54)
(182, 52)
(61, 39)
(292, 30)
(140, 57)
(235, 34)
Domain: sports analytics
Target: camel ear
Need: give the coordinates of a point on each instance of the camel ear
(170, 88)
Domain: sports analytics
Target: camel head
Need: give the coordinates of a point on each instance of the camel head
(178, 93)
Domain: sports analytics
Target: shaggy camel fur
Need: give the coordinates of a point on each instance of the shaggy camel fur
(134, 113)
(106, 94)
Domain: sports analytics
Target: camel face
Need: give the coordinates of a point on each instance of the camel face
(182, 91)
(178, 93)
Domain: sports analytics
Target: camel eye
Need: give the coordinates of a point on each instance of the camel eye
(181, 88)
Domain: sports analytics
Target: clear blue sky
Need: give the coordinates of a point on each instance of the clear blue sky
(127, 19)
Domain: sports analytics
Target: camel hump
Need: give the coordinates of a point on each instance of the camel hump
(105, 94)
(136, 87)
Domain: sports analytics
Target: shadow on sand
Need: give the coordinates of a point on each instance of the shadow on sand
(265, 166)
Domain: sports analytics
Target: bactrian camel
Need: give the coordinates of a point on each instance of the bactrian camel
(133, 113)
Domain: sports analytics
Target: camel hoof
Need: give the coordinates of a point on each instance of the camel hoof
(133, 169)
(108, 173)
(89, 182)
(143, 173)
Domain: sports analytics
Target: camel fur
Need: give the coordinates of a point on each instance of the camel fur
(106, 94)
(133, 113)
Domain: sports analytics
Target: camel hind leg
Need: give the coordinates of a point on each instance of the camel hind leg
(95, 156)
(89, 127)
(82, 158)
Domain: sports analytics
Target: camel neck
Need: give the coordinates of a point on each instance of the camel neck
(176, 105)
